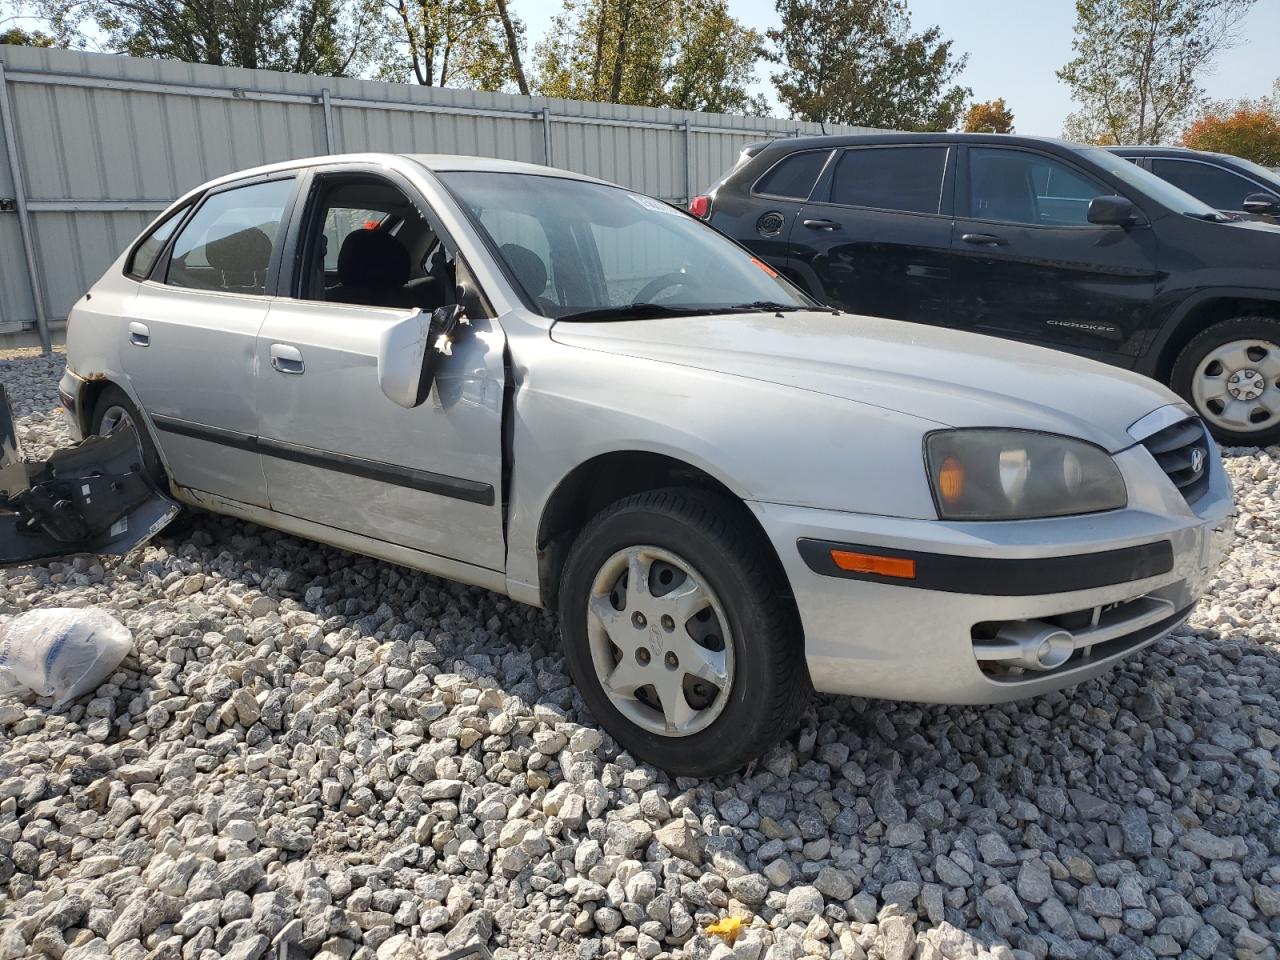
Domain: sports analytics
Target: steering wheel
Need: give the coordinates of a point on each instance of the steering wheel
(648, 293)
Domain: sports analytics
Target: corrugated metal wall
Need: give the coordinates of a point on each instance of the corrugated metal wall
(103, 142)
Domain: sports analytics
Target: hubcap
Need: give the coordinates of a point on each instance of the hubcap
(660, 641)
(114, 417)
(1237, 385)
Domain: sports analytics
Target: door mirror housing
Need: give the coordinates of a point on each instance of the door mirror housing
(1112, 211)
(410, 351)
(1261, 203)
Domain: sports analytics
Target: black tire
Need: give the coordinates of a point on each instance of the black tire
(112, 397)
(1200, 346)
(770, 688)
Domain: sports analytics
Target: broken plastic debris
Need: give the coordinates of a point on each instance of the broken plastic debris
(61, 652)
(727, 929)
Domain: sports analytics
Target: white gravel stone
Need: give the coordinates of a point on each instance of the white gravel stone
(312, 748)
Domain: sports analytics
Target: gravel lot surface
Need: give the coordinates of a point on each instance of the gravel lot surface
(315, 749)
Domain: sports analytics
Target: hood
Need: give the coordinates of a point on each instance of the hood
(949, 377)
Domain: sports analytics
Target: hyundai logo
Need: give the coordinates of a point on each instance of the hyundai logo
(1197, 460)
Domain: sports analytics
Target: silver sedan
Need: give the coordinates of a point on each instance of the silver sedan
(581, 397)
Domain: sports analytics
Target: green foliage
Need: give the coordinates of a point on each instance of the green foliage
(1138, 64)
(328, 37)
(458, 43)
(26, 38)
(857, 61)
(686, 54)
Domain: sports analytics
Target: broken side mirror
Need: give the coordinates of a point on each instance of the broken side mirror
(410, 351)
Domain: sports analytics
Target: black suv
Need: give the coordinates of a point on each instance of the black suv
(1227, 183)
(1027, 238)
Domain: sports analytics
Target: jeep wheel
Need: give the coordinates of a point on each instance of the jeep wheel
(1230, 373)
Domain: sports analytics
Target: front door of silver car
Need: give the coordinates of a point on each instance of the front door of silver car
(335, 449)
(190, 337)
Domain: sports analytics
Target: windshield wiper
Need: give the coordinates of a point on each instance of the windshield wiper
(638, 311)
(766, 306)
(1212, 217)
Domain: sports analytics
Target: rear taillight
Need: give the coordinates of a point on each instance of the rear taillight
(700, 207)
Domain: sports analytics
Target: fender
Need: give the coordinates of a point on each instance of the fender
(1177, 326)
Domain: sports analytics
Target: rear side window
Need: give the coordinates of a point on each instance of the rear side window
(227, 243)
(146, 253)
(793, 176)
(891, 178)
(1219, 188)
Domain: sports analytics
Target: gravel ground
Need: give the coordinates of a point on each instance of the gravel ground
(315, 749)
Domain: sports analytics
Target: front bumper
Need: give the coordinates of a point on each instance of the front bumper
(1142, 567)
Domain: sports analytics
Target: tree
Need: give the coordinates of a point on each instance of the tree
(328, 37)
(1248, 130)
(685, 54)
(857, 61)
(991, 116)
(26, 38)
(1138, 64)
(440, 43)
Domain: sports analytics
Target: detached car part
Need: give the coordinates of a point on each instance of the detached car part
(94, 497)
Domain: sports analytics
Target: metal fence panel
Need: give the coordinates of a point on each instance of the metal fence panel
(103, 142)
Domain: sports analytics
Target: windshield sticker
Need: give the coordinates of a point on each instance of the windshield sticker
(652, 203)
(765, 267)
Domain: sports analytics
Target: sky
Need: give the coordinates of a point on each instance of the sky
(1014, 48)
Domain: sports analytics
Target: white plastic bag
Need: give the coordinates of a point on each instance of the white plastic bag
(61, 652)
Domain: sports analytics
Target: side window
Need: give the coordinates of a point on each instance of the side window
(891, 178)
(1022, 187)
(1220, 189)
(227, 243)
(369, 244)
(794, 176)
(146, 253)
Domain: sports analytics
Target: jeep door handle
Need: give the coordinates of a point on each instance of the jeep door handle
(286, 359)
(139, 335)
(821, 224)
(983, 239)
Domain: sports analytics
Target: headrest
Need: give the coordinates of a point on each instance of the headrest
(527, 266)
(240, 254)
(372, 258)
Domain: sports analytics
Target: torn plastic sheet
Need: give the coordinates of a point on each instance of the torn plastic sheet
(94, 497)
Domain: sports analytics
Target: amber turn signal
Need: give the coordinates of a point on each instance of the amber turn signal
(900, 567)
(951, 479)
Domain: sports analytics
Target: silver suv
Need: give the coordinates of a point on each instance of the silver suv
(585, 399)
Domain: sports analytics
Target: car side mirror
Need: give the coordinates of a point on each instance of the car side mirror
(1261, 203)
(410, 350)
(1112, 211)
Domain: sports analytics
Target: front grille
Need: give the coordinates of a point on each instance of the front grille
(1182, 451)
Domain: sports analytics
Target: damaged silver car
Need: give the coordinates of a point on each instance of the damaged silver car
(583, 398)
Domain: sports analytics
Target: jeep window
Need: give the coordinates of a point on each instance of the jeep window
(891, 178)
(1147, 183)
(793, 176)
(146, 253)
(1217, 187)
(597, 251)
(227, 243)
(1018, 186)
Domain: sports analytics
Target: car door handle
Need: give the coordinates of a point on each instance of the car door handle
(983, 239)
(139, 335)
(821, 224)
(286, 359)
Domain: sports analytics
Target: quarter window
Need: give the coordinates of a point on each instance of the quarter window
(1022, 187)
(891, 178)
(227, 244)
(148, 251)
(794, 176)
(1220, 189)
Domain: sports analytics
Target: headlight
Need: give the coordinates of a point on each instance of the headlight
(992, 474)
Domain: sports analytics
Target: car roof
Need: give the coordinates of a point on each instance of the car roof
(435, 162)
(888, 137)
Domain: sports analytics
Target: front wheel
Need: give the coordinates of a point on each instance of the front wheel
(1230, 372)
(678, 633)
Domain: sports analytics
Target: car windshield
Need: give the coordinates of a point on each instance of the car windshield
(1161, 191)
(590, 251)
